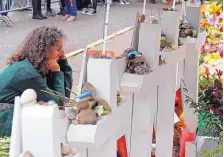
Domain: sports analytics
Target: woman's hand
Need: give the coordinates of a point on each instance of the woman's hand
(53, 65)
(62, 55)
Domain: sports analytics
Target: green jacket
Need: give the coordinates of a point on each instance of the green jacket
(21, 76)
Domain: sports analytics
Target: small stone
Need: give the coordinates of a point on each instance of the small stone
(186, 26)
(28, 97)
(86, 117)
(75, 122)
(51, 102)
(182, 34)
(155, 21)
(188, 32)
(61, 114)
(72, 113)
(66, 149)
(141, 19)
(26, 154)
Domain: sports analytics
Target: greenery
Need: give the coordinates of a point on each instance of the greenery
(4, 146)
(210, 109)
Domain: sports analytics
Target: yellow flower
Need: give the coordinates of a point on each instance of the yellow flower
(213, 40)
(212, 58)
(214, 8)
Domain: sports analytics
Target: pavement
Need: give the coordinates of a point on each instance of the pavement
(80, 33)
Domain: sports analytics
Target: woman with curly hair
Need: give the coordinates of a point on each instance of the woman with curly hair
(39, 64)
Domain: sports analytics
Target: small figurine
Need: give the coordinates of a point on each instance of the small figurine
(136, 63)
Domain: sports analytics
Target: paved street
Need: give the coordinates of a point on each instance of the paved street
(80, 33)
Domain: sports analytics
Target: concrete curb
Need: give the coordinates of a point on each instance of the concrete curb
(98, 42)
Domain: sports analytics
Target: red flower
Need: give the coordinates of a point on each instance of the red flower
(219, 72)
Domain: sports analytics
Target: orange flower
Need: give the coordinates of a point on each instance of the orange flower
(203, 8)
(204, 23)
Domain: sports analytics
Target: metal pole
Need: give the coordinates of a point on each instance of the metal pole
(144, 6)
(107, 12)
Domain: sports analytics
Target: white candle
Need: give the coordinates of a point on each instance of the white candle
(144, 6)
(106, 26)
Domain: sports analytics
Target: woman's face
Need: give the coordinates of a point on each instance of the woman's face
(56, 50)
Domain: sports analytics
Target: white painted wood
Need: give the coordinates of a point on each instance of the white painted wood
(191, 66)
(170, 21)
(149, 43)
(180, 74)
(64, 123)
(135, 37)
(121, 64)
(100, 139)
(16, 138)
(142, 125)
(207, 143)
(93, 136)
(187, 40)
(193, 14)
(190, 149)
(83, 71)
(191, 80)
(108, 149)
(200, 40)
(176, 55)
(132, 83)
(101, 73)
(41, 130)
(165, 118)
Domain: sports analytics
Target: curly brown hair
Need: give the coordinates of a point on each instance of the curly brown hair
(36, 46)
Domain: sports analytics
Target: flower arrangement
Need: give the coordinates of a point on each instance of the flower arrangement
(210, 104)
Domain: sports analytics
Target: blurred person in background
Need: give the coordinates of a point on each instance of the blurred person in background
(71, 10)
(37, 13)
(62, 7)
(50, 12)
(89, 10)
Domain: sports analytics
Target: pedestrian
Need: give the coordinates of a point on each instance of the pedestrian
(71, 10)
(91, 10)
(50, 12)
(39, 64)
(37, 13)
(62, 7)
(123, 2)
(85, 6)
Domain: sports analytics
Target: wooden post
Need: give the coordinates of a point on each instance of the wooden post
(145, 92)
(100, 139)
(16, 140)
(41, 130)
(170, 22)
(149, 43)
(193, 14)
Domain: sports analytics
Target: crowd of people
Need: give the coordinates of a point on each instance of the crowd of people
(68, 8)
